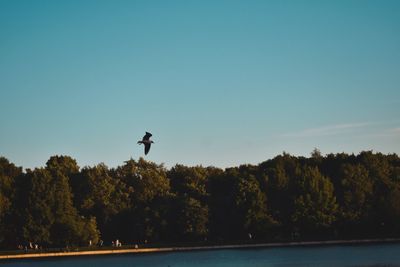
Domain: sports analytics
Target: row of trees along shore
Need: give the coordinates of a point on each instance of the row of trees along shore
(337, 196)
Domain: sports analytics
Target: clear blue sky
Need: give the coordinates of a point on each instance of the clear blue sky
(218, 83)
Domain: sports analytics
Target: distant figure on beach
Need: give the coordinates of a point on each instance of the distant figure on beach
(147, 142)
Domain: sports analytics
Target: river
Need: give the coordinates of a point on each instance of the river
(372, 255)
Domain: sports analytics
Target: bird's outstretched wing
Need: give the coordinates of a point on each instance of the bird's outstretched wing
(147, 136)
(146, 148)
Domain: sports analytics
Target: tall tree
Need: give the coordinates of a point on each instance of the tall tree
(222, 222)
(190, 218)
(282, 173)
(379, 172)
(149, 199)
(355, 192)
(189, 206)
(47, 212)
(8, 174)
(68, 228)
(251, 206)
(103, 197)
(38, 216)
(315, 204)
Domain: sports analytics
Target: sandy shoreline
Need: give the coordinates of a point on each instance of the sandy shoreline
(174, 249)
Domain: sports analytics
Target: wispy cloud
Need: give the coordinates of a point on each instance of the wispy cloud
(328, 130)
(391, 132)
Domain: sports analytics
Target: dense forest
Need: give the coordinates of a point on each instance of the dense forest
(337, 196)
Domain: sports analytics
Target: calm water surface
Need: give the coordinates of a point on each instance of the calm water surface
(361, 255)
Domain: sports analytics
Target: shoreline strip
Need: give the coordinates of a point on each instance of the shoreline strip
(195, 248)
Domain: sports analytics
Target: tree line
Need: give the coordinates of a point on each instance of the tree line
(281, 199)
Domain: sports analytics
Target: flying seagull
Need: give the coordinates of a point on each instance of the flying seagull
(147, 142)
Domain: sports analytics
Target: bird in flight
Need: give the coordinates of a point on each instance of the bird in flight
(146, 142)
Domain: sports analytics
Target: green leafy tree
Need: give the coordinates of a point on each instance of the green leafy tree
(102, 197)
(47, 212)
(281, 189)
(315, 205)
(64, 165)
(149, 199)
(188, 184)
(251, 208)
(238, 206)
(379, 172)
(8, 174)
(189, 180)
(69, 227)
(357, 190)
(191, 218)
(392, 209)
(277, 189)
(38, 216)
(223, 224)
